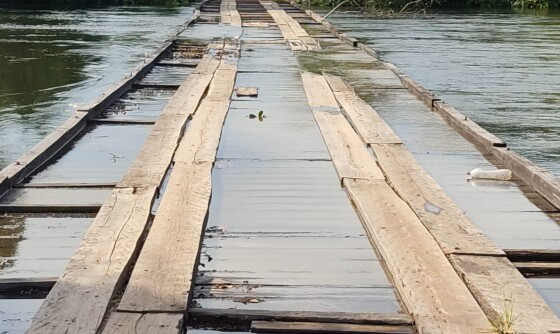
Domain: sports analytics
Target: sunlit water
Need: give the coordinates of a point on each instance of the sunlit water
(500, 69)
(50, 61)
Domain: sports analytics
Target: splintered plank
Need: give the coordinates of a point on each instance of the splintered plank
(428, 284)
(349, 154)
(78, 301)
(145, 323)
(318, 327)
(162, 277)
(495, 282)
(155, 156)
(368, 123)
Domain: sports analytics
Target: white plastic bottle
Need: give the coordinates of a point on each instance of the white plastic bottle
(498, 174)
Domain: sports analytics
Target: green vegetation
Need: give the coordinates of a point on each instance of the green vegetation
(397, 6)
(88, 3)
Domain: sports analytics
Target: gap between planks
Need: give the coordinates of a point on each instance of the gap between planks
(80, 299)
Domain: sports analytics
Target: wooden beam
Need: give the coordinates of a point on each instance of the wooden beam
(66, 185)
(529, 255)
(540, 269)
(315, 327)
(122, 121)
(26, 288)
(494, 282)
(50, 208)
(349, 154)
(202, 315)
(424, 278)
(145, 323)
(162, 277)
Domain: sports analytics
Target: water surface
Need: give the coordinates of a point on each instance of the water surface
(500, 69)
(53, 60)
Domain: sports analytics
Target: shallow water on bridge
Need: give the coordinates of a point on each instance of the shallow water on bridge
(500, 69)
(52, 60)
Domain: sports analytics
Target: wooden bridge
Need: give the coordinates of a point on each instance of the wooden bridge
(264, 172)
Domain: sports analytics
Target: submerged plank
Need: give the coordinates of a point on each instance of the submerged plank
(317, 327)
(349, 154)
(495, 282)
(427, 282)
(144, 323)
(78, 301)
(244, 315)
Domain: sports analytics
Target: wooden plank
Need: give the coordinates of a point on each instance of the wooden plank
(528, 255)
(467, 127)
(493, 280)
(426, 281)
(122, 121)
(144, 323)
(538, 268)
(79, 299)
(245, 315)
(316, 327)
(162, 277)
(66, 185)
(247, 91)
(366, 120)
(349, 154)
(20, 283)
(51, 208)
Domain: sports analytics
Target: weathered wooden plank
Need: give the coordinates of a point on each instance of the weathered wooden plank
(316, 327)
(426, 281)
(366, 120)
(538, 268)
(161, 279)
(494, 282)
(247, 91)
(49, 208)
(246, 315)
(144, 323)
(349, 154)
(528, 255)
(78, 301)
(468, 127)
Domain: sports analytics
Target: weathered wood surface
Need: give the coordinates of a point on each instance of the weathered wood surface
(244, 315)
(315, 327)
(493, 280)
(79, 299)
(144, 323)
(162, 277)
(229, 13)
(349, 154)
(368, 123)
(247, 91)
(426, 281)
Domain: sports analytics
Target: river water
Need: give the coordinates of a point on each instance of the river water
(51, 61)
(500, 69)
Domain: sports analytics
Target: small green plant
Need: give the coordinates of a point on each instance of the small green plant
(504, 322)
(260, 116)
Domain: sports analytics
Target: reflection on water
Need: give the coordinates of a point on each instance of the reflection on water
(50, 61)
(500, 69)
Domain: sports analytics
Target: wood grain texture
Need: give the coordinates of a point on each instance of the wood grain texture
(368, 123)
(493, 280)
(144, 323)
(429, 286)
(78, 301)
(317, 327)
(349, 154)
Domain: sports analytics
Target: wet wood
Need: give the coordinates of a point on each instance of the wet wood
(144, 323)
(349, 154)
(365, 119)
(315, 327)
(81, 296)
(43, 208)
(422, 93)
(538, 269)
(121, 121)
(243, 315)
(426, 281)
(162, 277)
(493, 280)
(467, 127)
(529, 255)
(17, 284)
(247, 91)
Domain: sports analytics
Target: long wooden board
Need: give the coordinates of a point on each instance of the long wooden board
(80, 298)
(162, 277)
(429, 286)
(495, 282)
(349, 154)
(316, 327)
(145, 323)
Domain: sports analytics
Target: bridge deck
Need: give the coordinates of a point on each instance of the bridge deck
(332, 200)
